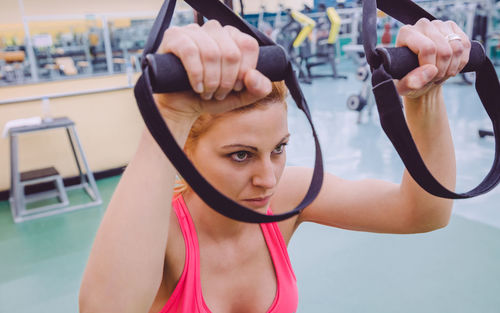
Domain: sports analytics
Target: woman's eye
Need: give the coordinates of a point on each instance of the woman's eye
(239, 156)
(279, 149)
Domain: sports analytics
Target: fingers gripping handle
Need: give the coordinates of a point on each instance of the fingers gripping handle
(400, 61)
(167, 73)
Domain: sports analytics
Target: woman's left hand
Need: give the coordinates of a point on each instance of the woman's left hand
(443, 51)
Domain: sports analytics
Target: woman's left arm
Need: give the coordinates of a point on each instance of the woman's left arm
(443, 50)
(378, 206)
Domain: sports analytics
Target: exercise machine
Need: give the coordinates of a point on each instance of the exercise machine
(293, 34)
(362, 101)
(327, 31)
(306, 53)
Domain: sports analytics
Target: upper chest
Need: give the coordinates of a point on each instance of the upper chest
(238, 279)
(233, 276)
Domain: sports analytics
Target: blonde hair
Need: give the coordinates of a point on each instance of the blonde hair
(278, 94)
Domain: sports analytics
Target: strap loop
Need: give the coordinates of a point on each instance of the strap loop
(215, 9)
(389, 105)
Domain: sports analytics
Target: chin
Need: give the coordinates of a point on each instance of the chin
(254, 205)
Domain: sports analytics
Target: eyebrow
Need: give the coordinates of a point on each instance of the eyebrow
(236, 145)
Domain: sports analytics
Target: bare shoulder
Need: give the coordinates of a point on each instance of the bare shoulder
(292, 188)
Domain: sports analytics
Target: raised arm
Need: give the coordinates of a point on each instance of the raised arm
(125, 267)
(377, 206)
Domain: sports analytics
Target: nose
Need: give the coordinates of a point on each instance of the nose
(265, 176)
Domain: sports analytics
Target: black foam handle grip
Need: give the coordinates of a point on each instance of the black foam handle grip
(400, 61)
(167, 73)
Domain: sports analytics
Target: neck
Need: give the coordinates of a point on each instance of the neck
(211, 223)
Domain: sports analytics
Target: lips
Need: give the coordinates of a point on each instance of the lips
(258, 202)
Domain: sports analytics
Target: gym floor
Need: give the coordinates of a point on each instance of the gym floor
(455, 269)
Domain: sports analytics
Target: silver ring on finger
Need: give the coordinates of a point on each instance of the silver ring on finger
(452, 36)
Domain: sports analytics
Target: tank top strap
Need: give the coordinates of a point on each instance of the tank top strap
(187, 295)
(287, 291)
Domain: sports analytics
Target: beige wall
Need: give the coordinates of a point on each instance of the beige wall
(108, 125)
(10, 12)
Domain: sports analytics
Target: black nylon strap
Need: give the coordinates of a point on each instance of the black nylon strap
(215, 9)
(390, 108)
(162, 22)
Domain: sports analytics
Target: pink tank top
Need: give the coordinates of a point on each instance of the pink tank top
(187, 296)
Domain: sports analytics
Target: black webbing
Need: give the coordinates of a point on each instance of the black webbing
(214, 9)
(391, 111)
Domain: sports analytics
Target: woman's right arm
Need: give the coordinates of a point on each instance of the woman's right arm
(125, 267)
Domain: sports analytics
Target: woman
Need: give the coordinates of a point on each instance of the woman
(150, 256)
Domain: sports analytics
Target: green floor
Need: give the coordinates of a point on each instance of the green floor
(453, 270)
(42, 261)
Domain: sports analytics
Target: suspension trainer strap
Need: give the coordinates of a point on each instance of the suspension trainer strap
(214, 9)
(394, 63)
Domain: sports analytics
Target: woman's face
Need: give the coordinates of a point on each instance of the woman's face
(243, 154)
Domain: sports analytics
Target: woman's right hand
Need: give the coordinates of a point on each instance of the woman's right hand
(220, 63)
